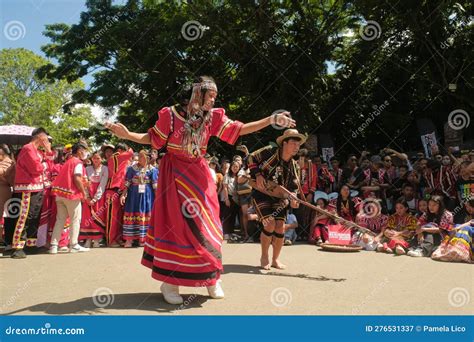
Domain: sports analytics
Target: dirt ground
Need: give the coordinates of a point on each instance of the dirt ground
(112, 281)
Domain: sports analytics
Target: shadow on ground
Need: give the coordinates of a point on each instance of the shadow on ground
(152, 302)
(246, 269)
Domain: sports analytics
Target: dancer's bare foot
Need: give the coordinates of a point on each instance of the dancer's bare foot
(265, 263)
(278, 265)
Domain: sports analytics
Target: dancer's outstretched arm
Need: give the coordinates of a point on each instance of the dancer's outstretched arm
(281, 119)
(122, 132)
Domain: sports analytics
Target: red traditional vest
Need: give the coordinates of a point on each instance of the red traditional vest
(309, 177)
(63, 185)
(117, 165)
(381, 174)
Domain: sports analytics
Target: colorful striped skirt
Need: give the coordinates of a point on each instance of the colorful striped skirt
(183, 243)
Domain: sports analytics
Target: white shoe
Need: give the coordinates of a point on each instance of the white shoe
(95, 243)
(88, 243)
(53, 250)
(171, 294)
(77, 248)
(415, 253)
(216, 291)
(63, 249)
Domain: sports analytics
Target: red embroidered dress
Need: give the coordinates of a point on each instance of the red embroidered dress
(183, 244)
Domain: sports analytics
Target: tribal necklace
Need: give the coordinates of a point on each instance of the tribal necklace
(194, 135)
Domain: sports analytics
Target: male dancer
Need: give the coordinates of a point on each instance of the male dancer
(275, 164)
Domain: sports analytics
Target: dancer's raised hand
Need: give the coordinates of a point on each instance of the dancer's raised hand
(283, 119)
(118, 129)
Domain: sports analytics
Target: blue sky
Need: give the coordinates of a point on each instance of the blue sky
(25, 21)
(34, 15)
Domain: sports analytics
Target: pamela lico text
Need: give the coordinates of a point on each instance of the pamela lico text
(444, 328)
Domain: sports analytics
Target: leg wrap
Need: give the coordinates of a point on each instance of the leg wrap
(278, 235)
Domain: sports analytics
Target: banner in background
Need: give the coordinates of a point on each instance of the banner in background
(327, 153)
(429, 144)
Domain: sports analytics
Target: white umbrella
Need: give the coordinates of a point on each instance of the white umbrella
(15, 134)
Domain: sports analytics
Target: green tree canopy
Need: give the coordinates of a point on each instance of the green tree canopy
(268, 55)
(30, 100)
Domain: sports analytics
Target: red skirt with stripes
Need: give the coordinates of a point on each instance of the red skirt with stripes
(183, 243)
(93, 217)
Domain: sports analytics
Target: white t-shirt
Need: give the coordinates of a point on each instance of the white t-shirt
(412, 204)
(213, 174)
(78, 169)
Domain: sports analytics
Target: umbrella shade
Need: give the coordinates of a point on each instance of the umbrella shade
(15, 134)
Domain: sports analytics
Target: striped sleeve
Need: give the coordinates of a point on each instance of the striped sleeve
(224, 128)
(255, 159)
(162, 128)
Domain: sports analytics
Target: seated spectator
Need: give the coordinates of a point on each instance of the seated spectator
(408, 194)
(400, 229)
(319, 231)
(371, 216)
(254, 225)
(350, 171)
(375, 179)
(433, 226)
(346, 205)
(290, 229)
(469, 210)
(336, 171)
(422, 208)
(399, 182)
(464, 187)
(325, 177)
(459, 247)
(358, 177)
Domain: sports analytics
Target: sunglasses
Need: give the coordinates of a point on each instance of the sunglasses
(387, 160)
